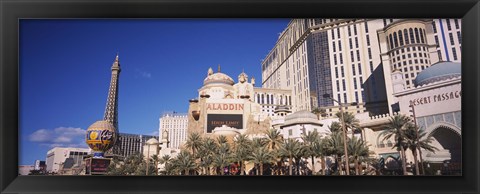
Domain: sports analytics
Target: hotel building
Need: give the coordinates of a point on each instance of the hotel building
(176, 126)
(57, 156)
(351, 60)
(130, 144)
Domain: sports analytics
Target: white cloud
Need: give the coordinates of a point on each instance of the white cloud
(143, 73)
(59, 137)
(154, 133)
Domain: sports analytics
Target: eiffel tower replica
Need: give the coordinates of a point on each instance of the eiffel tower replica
(111, 108)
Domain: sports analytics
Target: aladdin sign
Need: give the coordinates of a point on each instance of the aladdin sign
(436, 98)
(224, 106)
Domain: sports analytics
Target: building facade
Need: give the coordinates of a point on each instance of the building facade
(130, 144)
(57, 156)
(346, 58)
(176, 126)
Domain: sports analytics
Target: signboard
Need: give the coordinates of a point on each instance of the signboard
(97, 165)
(217, 120)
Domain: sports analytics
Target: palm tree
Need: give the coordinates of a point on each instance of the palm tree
(207, 149)
(242, 149)
(358, 149)
(291, 149)
(334, 146)
(165, 160)
(260, 156)
(185, 162)
(222, 139)
(417, 143)
(335, 127)
(319, 112)
(397, 127)
(155, 160)
(274, 139)
(194, 141)
(350, 121)
(311, 147)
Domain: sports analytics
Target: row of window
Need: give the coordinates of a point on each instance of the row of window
(410, 36)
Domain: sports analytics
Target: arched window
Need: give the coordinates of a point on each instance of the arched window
(400, 37)
(405, 33)
(421, 36)
(417, 37)
(425, 35)
(412, 38)
(262, 99)
(391, 41)
(395, 40)
(271, 98)
(268, 99)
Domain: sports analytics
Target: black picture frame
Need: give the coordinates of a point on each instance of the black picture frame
(11, 11)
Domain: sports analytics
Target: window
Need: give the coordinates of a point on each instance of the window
(333, 34)
(358, 55)
(400, 37)
(371, 66)
(342, 71)
(417, 68)
(416, 61)
(336, 72)
(459, 36)
(350, 43)
(405, 63)
(351, 56)
(457, 26)
(417, 37)
(361, 82)
(366, 27)
(344, 85)
(341, 58)
(369, 53)
(338, 34)
(395, 40)
(434, 27)
(408, 82)
(436, 40)
(405, 33)
(359, 69)
(414, 54)
(349, 32)
(333, 46)
(406, 75)
(339, 45)
(356, 99)
(449, 27)
(391, 41)
(353, 69)
(345, 99)
(368, 40)
(335, 59)
(354, 29)
(454, 52)
(412, 36)
(421, 37)
(356, 42)
(355, 83)
(451, 39)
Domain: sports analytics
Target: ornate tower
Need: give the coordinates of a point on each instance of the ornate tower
(111, 109)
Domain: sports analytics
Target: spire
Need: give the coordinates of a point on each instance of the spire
(218, 68)
(111, 108)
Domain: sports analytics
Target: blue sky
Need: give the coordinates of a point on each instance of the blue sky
(65, 71)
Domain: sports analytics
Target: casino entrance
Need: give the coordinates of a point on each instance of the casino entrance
(449, 141)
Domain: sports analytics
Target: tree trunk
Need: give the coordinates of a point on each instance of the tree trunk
(404, 160)
(313, 165)
(339, 165)
(421, 160)
(417, 171)
(242, 167)
(323, 165)
(290, 166)
(356, 166)
(261, 168)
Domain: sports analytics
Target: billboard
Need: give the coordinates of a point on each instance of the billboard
(97, 165)
(217, 120)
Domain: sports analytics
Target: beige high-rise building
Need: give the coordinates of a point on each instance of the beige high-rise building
(346, 59)
(176, 126)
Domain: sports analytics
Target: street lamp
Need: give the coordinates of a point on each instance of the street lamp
(417, 139)
(344, 133)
